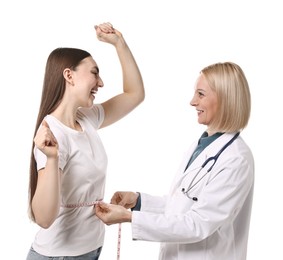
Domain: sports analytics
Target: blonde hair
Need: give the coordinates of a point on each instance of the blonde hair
(234, 100)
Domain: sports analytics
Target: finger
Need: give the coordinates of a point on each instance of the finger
(97, 209)
(106, 25)
(103, 206)
(122, 202)
(97, 28)
(115, 198)
(106, 28)
(125, 202)
(44, 123)
(53, 139)
(47, 138)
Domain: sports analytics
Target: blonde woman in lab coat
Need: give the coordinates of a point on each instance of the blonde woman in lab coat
(206, 214)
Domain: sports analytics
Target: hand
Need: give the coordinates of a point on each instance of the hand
(126, 199)
(106, 33)
(45, 141)
(112, 214)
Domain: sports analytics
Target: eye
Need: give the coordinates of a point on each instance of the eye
(95, 73)
(201, 94)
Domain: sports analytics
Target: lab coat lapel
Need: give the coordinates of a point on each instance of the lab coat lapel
(193, 169)
(210, 151)
(180, 173)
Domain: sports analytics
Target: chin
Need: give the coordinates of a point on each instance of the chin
(89, 105)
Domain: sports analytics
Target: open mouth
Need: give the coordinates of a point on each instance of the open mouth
(93, 92)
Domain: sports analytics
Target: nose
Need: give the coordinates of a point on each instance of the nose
(193, 101)
(100, 83)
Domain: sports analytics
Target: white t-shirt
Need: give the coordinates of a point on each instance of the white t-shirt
(83, 160)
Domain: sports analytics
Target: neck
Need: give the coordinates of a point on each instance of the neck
(67, 117)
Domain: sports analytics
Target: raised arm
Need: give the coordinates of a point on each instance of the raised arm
(133, 89)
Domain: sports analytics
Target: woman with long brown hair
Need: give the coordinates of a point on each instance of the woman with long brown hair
(68, 161)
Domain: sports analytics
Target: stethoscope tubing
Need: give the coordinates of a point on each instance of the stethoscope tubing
(212, 158)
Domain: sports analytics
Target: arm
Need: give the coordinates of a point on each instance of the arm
(117, 212)
(139, 201)
(46, 200)
(219, 203)
(133, 89)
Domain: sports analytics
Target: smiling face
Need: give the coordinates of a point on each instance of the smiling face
(86, 80)
(205, 101)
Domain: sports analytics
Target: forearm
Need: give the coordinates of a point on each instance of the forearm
(150, 203)
(133, 89)
(132, 79)
(46, 200)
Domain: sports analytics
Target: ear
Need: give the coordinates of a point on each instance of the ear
(68, 75)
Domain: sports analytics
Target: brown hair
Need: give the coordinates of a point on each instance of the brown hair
(52, 94)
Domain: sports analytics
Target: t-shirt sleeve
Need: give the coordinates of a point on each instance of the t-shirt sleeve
(41, 158)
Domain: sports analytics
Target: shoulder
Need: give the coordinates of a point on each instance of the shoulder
(233, 153)
(62, 136)
(58, 129)
(55, 126)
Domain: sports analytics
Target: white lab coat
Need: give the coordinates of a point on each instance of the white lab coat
(216, 226)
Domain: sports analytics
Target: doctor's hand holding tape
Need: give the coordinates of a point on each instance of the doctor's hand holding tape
(206, 214)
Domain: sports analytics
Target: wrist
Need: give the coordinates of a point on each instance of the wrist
(128, 216)
(53, 158)
(137, 207)
(121, 44)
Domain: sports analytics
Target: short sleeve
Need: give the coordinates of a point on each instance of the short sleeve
(41, 158)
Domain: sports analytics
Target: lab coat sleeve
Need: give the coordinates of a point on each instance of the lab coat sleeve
(218, 204)
(151, 203)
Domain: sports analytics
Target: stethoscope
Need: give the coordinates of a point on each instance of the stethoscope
(212, 158)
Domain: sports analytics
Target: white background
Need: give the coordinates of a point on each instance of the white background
(172, 41)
